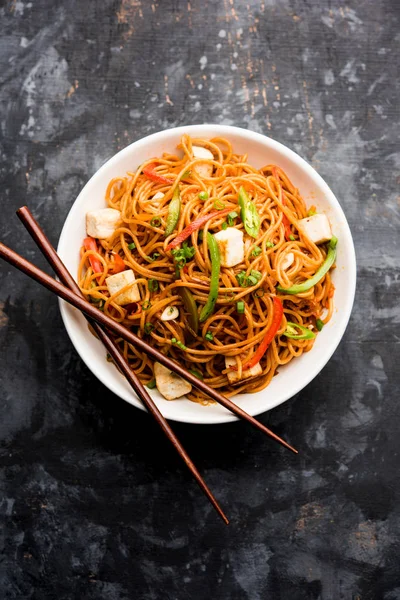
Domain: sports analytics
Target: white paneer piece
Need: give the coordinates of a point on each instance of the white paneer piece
(288, 261)
(317, 228)
(203, 170)
(170, 385)
(118, 281)
(231, 246)
(102, 223)
(233, 376)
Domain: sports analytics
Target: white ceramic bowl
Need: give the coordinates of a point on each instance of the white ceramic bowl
(261, 150)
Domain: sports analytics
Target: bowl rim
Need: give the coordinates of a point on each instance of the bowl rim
(301, 163)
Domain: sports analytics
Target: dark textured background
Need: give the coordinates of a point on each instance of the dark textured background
(94, 502)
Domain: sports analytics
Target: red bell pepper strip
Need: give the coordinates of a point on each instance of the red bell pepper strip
(118, 264)
(150, 172)
(269, 336)
(285, 220)
(197, 223)
(90, 244)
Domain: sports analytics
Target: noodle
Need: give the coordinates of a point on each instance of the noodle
(139, 240)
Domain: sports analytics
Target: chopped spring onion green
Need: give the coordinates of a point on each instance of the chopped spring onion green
(219, 205)
(148, 328)
(151, 384)
(203, 195)
(178, 343)
(209, 336)
(248, 280)
(154, 256)
(231, 217)
(152, 284)
(146, 305)
(224, 226)
(270, 244)
(132, 246)
(320, 324)
(182, 255)
(292, 238)
(256, 251)
(155, 222)
(240, 307)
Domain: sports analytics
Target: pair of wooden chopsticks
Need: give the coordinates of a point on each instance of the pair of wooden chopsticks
(71, 293)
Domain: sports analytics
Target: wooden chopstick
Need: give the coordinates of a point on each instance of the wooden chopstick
(13, 258)
(65, 276)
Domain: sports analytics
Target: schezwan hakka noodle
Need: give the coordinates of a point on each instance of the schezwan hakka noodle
(140, 241)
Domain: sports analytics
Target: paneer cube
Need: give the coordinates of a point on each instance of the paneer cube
(317, 228)
(170, 385)
(102, 223)
(231, 246)
(203, 170)
(119, 281)
(233, 376)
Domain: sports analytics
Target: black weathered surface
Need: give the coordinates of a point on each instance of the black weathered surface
(94, 502)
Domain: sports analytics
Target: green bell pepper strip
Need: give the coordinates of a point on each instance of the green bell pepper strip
(291, 332)
(249, 215)
(173, 213)
(191, 307)
(214, 282)
(324, 268)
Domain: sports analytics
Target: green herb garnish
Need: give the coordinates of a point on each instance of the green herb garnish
(231, 217)
(248, 280)
(148, 328)
(155, 222)
(178, 343)
(152, 284)
(256, 251)
(219, 205)
(240, 307)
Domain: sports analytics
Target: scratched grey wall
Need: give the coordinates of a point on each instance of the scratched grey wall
(94, 502)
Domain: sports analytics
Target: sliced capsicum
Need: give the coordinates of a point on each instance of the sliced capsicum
(300, 288)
